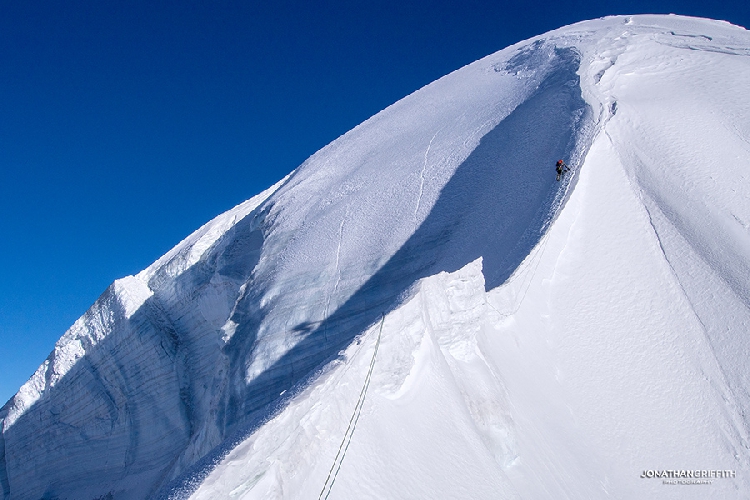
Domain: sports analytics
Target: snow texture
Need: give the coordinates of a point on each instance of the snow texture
(540, 339)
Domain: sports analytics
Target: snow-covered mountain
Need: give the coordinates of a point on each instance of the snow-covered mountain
(421, 310)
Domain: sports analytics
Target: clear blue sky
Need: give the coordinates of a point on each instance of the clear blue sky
(126, 125)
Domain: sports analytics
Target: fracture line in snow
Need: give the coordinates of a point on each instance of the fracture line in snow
(338, 273)
(557, 204)
(538, 252)
(526, 283)
(727, 391)
(352, 423)
(421, 179)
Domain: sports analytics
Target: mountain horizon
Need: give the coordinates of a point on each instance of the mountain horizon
(422, 309)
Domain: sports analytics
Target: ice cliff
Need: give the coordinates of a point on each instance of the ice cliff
(534, 339)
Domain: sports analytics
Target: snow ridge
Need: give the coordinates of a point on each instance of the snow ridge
(542, 339)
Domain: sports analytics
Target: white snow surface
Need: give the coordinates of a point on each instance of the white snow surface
(421, 311)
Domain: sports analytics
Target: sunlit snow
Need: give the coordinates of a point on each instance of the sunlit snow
(540, 339)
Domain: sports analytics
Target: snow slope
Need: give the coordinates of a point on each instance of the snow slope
(420, 310)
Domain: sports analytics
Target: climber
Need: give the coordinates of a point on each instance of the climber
(561, 168)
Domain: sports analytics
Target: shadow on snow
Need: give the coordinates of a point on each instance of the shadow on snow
(497, 205)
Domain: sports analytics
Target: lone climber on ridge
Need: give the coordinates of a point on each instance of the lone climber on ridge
(561, 168)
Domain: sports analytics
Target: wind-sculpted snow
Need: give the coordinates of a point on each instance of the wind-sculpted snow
(460, 227)
(494, 206)
(540, 339)
(116, 397)
(253, 303)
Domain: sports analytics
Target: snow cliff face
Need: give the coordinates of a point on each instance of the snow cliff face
(486, 331)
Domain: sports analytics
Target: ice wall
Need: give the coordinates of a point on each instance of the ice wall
(533, 328)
